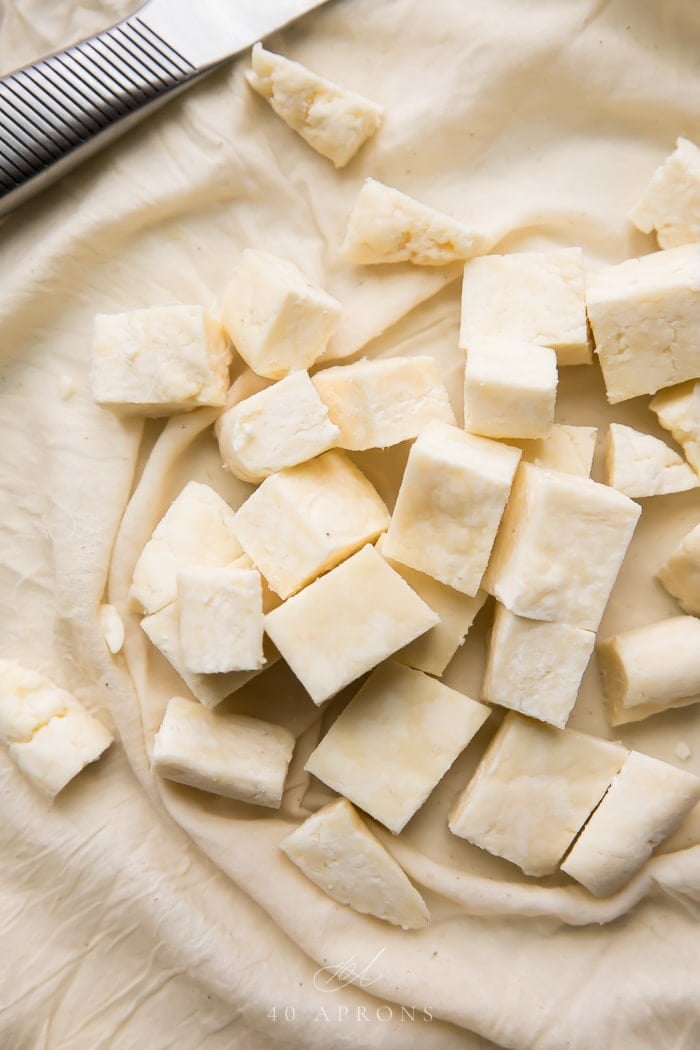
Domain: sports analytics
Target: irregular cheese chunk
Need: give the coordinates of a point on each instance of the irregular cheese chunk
(640, 465)
(158, 361)
(680, 574)
(337, 851)
(678, 410)
(197, 529)
(567, 448)
(645, 315)
(229, 755)
(533, 790)
(380, 403)
(510, 389)
(285, 424)
(394, 741)
(645, 802)
(304, 520)
(449, 506)
(387, 226)
(671, 202)
(347, 622)
(112, 627)
(221, 620)
(278, 321)
(560, 547)
(530, 297)
(652, 668)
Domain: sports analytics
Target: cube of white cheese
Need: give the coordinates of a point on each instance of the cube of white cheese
(452, 497)
(671, 202)
(532, 792)
(278, 321)
(158, 361)
(387, 226)
(560, 547)
(229, 755)
(530, 297)
(645, 315)
(304, 520)
(640, 465)
(337, 851)
(347, 622)
(567, 448)
(680, 574)
(394, 741)
(510, 389)
(380, 403)
(678, 410)
(221, 620)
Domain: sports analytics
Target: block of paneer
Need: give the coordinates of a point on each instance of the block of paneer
(347, 622)
(285, 424)
(678, 410)
(641, 465)
(644, 314)
(224, 754)
(670, 204)
(530, 297)
(452, 497)
(560, 547)
(379, 403)
(335, 122)
(221, 620)
(158, 361)
(536, 667)
(510, 389)
(395, 741)
(337, 851)
(304, 520)
(680, 573)
(387, 226)
(645, 802)
(48, 733)
(567, 448)
(533, 790)
(278, 321)
(196, 530)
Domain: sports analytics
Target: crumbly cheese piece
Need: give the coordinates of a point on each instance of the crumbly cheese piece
(337, 851)
(278, 321)
(530, 297)
(285, 424)
(678, 410)
(347, 622)
(221, 620)
(680, 574)
(671, 202)
(645, 802)
(230, 755)
(158, 361)
(645, 314)
(304, 520)
(652, 668)
(394, 741)
(567, 448)
(197, 529)
(452, 496)
(532, 792)
(387, 226)
(640, 465)
(510, 389)
(560, 547)
(380, 403)
(49, 734)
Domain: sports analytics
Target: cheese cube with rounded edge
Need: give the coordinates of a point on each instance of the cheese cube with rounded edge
(337, 851)
(560, 547)
(452, 496)
(671, 202)
(229, 755)
(221, 620)
(528, 297)
(640, 465)
(380, 403)
(387, 226)
(536, 667)
(567, 448)
(278, 321)
(678, 410)
(645, 315)
(333, 121)
(394, 741)
(533, 790)
(304, 520)
(347, 622)
(645, 802)
(680, 574)
(157, 361)
(510, 389)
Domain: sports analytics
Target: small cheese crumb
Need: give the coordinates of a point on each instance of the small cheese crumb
(682, 751)
(66, 387)
(112, 627)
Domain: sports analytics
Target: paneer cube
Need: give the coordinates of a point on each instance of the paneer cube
(680, 573)
(640, 465)
(221, 620)
(678, 410)
(671, 202)
(510, 389)
(567, 448)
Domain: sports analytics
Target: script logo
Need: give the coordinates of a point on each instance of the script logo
(340, 975)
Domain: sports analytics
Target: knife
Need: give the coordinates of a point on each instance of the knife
(63, 108)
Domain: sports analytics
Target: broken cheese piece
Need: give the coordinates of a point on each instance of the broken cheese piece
(640, 465)
(221, 620)
(678, 410)
(680, 574)
(566, 448)
(510, 389)
(670, 204)
(112, 627)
